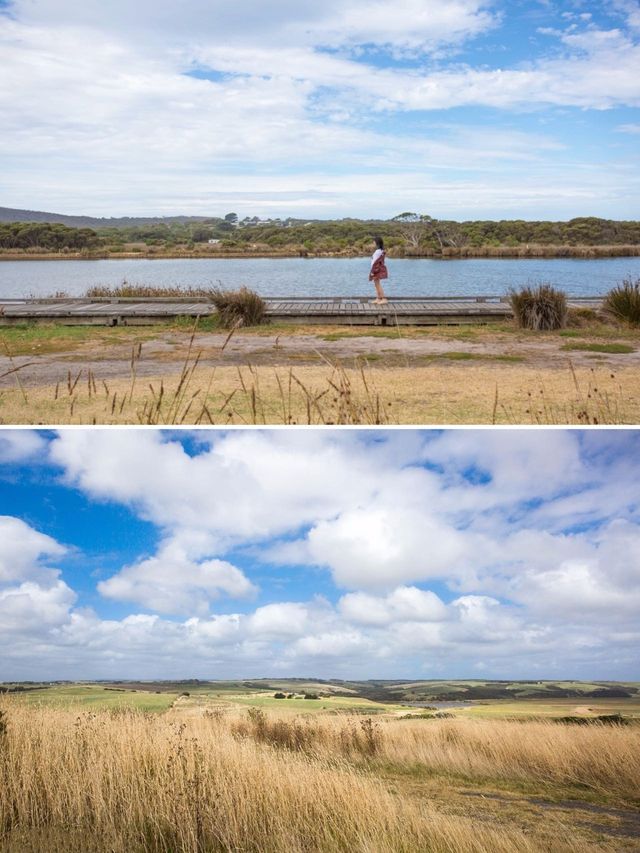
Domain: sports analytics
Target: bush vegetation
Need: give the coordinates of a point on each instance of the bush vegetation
(623, 302)
(541, 308)
(237, 308)
(408, 234)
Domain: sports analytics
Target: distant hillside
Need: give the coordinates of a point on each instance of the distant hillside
(10, 214)
(402, 692)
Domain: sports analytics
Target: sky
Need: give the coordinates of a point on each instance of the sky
(460, 109)
(319, 553)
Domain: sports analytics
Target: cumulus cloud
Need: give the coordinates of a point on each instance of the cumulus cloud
(19, 444)
(33, 597)
(379, 546)
(515, 551)
(172, 583)
(23, 549)
(404, 604)
(32, 608)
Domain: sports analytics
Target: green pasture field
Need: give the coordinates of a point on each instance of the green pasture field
(267, 701)
(550, 708)
(158, 697)
(96, 697)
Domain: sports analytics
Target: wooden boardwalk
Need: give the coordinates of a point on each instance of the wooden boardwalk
(338, 310)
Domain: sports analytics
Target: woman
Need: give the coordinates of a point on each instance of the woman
(378, 271)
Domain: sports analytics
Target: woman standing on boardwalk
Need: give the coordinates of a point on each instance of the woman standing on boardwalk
(378, 271)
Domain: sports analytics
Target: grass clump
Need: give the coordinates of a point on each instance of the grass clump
(541, 308)
(623, 302)
(129, 290)
(591, 347)
(237, 308)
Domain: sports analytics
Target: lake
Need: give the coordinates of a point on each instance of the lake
(321, 276)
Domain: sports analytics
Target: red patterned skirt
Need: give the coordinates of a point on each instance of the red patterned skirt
(379, 269)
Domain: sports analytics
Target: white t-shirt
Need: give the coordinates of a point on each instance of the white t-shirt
(378, 253)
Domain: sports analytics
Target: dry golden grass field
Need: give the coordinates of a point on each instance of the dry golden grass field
(336, 375)
(203, 776)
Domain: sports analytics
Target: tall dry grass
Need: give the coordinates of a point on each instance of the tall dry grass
(135, 782)
(623, 302)
(343, 397)
(600, 758)
(539, 308)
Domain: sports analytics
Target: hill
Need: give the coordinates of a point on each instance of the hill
(10, 214)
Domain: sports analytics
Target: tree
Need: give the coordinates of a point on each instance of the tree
(231, 218)
(407, 216)
(447, 233)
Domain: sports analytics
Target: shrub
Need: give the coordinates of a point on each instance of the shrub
(623, 302)
(238, 307)
(541, 308)
(279, 696)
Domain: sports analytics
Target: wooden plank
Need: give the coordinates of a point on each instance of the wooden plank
(341, 310)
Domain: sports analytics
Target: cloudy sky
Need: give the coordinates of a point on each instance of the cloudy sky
(141, 553)
(463, 108)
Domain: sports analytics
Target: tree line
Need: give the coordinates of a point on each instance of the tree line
(408, 234)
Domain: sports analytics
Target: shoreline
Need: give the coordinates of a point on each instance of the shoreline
(488, 253)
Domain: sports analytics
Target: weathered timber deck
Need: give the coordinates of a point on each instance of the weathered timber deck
(338, 310)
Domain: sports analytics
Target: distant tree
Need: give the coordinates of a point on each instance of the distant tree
(446, 233)
(279, 696)
(231, 218)
(407, 216)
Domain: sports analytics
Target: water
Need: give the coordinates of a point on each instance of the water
(320, 276)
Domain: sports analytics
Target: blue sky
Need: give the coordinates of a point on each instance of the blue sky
(142, 553)
(461, 109)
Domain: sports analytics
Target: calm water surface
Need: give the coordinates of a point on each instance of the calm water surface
(320, 276)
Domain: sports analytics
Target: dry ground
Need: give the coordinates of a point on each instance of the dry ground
(460, 375)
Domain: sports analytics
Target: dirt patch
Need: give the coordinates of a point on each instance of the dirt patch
(620, 823)
(168, 351)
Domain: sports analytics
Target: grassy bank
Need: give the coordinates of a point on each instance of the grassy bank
(298, 251)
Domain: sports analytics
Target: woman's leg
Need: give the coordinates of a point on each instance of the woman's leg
(379, 290)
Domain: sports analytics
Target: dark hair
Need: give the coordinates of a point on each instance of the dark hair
(379, 242)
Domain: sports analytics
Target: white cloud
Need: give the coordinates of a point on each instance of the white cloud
(280, 620)
(515, 550)
(17, 445)
(172, 583)
(379, 546)
(416, 23)
(22, 550)
(32, 608)
(404, 604)
(127, 130)
(33, 597)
